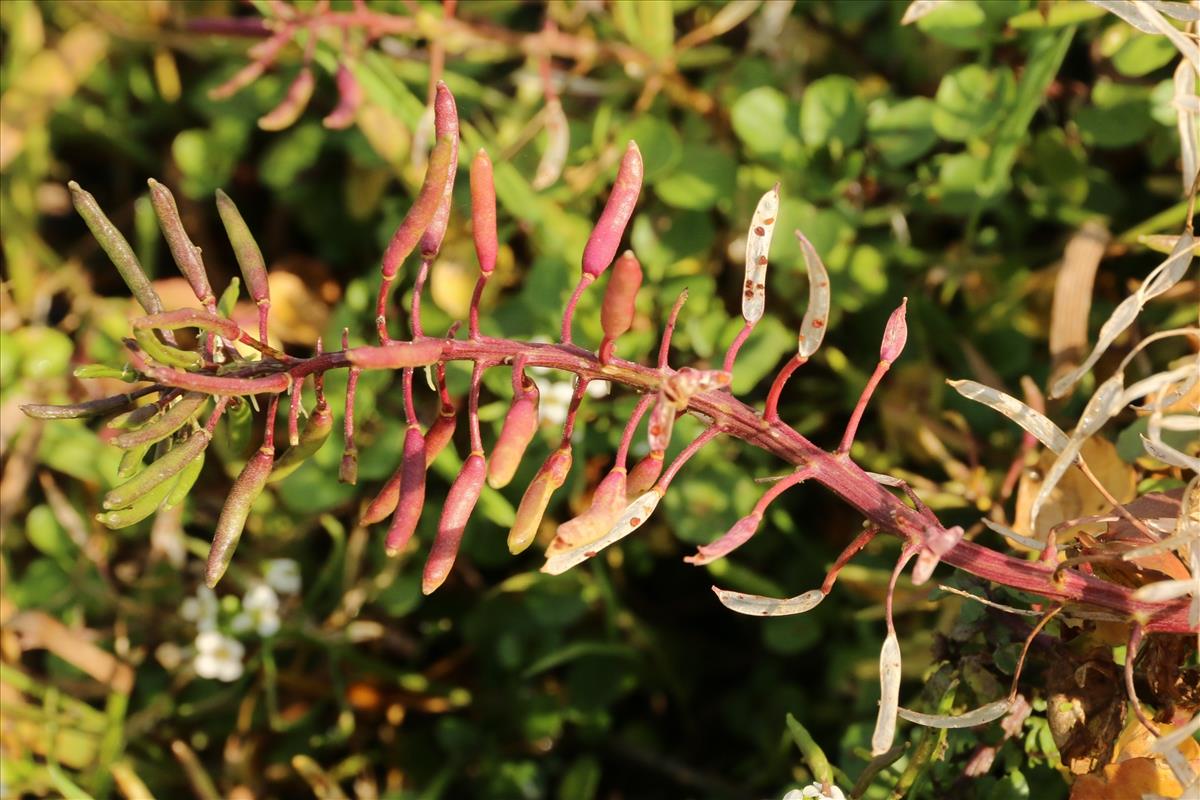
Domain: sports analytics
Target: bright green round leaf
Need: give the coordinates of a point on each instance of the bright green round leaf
(960, 24)
(704, 176)
(1142, 54)
(831, 113)
(45, 352)
(759, 119)
(971, 100)
(659, 143)
(903, 132)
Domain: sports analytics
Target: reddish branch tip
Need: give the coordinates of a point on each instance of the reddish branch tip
(895, 334)
(610, 228)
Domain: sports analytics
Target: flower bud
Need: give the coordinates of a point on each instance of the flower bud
(292, 105)
(533, 505)
(245, 491)
(460, 502)
(895, 334)
(483, 212)
(644, 474)
(412, 492)
(734, 538)
(520, 426)
(616, 313)
(606, 236)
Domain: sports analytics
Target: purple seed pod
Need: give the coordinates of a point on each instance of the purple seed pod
(412, 492)
(520, 426)
(350, 96)
(483, 211)
(608, 501)
(186, 255)
(445, 124)
(245, 249)
(421, 214)
(644, 474)
(895, 334)
(606, 236)
(292, 105)
(620, 298)
(460, 502)
(734, 538)
(117, 247)
(533, 505)
(440, 433)
(245, 491)
(384, 503)
(88, 408)
(397, 355)
(662, 421)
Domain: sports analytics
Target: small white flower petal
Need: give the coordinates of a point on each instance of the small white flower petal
(282, 575)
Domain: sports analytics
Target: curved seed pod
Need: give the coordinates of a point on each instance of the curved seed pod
(634, 516)
(608, 501)
(758, 246)
(131, 460)
(384, 503)
(186, 255)
(420, 215)
(165, 354)
(184, 483)
(483, 212)
(89, 408)
(662, 422)
(734, 538)
(117, 248)
(141, 508)
(606, 236)
(184, 411)
(558, 142)
(533, 505)
(889, 699)
(397, 355)
(350, 96)
(412, 492)
(757, 606)
(314, 433)
(440, 433)
(895, 334)
(645, 473)
(292, 105)
(245, 491)
(445, 124)
(460, 502)
(159, 471)
(620, 299)
(968, 719)
(137, 417)
(245, 249)
(812, 327)
(520, 426)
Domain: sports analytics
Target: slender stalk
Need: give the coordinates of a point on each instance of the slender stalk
(852, 426)
(771, 410)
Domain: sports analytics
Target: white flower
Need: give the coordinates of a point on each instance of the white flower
(554, 402)
(260, 611)
(814, 791)
(218, 656)
(282, 575)
(598, 389)
(201, 609)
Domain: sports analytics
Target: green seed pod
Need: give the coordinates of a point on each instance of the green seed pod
(186, 409)
(312, 436)
(131, 460)
(533, 505)
(135, 418)
(460, 502)
(229, 297)
(245, 249)
(412, 492)
(143, 507)
(89, 408)
(117, 248)
(184, 483)
(164, 354)
(245, 491)
(644, 474)
(92, 371)
(520, 426)
(162, 469)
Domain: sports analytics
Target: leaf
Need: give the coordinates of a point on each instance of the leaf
(760, 120)
(831, 113)
(958, 24)
(758, 606)
(903, 132)
(967, 719)
(704, 176)
(971, 100)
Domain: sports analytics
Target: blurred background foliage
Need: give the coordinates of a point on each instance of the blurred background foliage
(948, 161)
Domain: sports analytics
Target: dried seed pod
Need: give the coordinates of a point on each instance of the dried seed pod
(350, 96)
(292, 105)
(620, 298)
(117, 248)
(533, 505)
(633, 517)
(460, 502)
(816, 316)
(162, 469)
(483, 212)
(316, 430)
(440, 433)
(644, 473)
(895, 334)
(889, 700)
(89, 408)
(610, 228)
(758, 606)
(608, 501)
(412, 491)
(445, 125)
(245, 491)
(186, 255)
(245, 250)
(662, 421)
(758, 246)
(520, 426)
(734, 538)
(408, 233)
(397, 355)
(184, 411)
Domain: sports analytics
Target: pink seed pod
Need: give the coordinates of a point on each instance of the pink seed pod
(445, 125)
(397, 355)
(483, 211)
(520, 426)
(350, 96)
(460, 502)
(292, 105)
(440, 433)
(245, 491)
(895, 334)
(533, 505)
(662, 421)
(190, 318)
(608, 501)
(186, 255)
(412, 492)
(734, 538)
(606, 236)
(384, 503)
(245, 249)
(644, 474)
(419, 217)
(620, 298)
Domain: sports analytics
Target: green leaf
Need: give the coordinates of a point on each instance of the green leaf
(903, 132)
(46, 534)
(1119, 115)
(960, 24)
(581, 781)
(659, 143)
(831, 113)
(1141, 53)
(769, 342)
(971, 100)
(705, 175)
(290, 154)
(760, 120)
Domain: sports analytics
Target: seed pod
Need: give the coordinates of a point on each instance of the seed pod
(644, 474)
(184, 483)
(89, 408)
(758, 245)
(440, 433)
(245, 491)
(165, 354)
(135, 418)
(312, 436)
(734, 538)
(350, 96)
(397, 355)
(620, 299)
(816, 316)
(190, 318)
(184, 411)
(889, 691)
(895, 334)
(632, 518)
(520, 426)
(245, 249)
(460, 502)
(131, 460)
(238, 424)
(412, 492)
(420, 215)
(162, 469)
(445, 124)
(117, 248)
(292, 105)
(141, 508)
(384, 503)
(608, 501)
(662, 421)
(533, 505)
(483, 212)
(610, 228)
(186, 255)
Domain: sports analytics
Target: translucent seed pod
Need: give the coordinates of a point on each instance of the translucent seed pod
(558, 142)
(816, 316)
(411, 499)
(536, 499)
(889, 701)
(758, 246)
(610, 228)
(608, 501)
(460, 502)
(734, 538)
(246, 489)
(662, 422)
(520, 426)
(644, 474)
(294, 101)
(620, 299)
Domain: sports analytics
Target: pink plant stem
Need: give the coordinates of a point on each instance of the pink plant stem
(584, 281)
(852, 426)
(419, 286)
(639, 411)
(410, 410)
(664, 347)
(473, 408)
(771, 410)
(736, 345)
(215, 416)
(294, 413)
(349, 451)
(907, 553)
(684, 456)
(269, 430)
(573, 410)
(854, 548)
(778, 488)
(476, 298)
